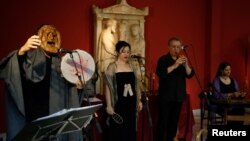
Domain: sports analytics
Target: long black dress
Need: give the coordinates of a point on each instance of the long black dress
(126, 107)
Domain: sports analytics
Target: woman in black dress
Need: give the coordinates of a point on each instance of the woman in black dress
(122, 96)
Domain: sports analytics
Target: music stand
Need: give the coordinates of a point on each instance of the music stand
(62, 122)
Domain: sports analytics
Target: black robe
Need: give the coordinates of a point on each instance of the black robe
(61, 93)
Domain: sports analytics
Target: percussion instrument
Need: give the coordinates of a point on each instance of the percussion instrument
(78, 64)
(117, 118)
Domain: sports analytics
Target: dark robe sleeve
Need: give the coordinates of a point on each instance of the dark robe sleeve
(10, 73)
(34, 65)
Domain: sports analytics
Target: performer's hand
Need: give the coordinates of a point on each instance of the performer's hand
(185, 61)
(32, 43)
(243, 94)
(181, 60)
(139, 106)
(237, 94)
(79, 85)
(230, 95)
(110, 110)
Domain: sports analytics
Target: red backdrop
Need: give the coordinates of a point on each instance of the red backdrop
(217, 30)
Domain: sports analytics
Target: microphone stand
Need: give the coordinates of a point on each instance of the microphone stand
(199, 83)
(79, 78)
(98, 126)
(144, 99)
(84, 94)
(195, 74)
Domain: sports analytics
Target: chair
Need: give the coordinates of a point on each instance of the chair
(207, 110)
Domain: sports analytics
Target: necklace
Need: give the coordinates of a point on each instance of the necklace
(224, 78)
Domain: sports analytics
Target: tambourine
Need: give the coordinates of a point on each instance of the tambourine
(78, 63)
(117, 118)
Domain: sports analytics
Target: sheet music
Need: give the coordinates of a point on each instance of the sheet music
(65, 111)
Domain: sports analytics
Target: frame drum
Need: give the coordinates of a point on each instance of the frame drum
(78, 63)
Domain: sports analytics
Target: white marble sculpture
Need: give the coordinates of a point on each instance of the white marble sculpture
(117, 22)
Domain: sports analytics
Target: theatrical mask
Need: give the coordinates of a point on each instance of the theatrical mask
(50, 38)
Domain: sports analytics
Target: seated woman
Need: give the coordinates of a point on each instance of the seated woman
(226, 87)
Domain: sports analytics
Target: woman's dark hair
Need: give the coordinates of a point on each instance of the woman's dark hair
(121, 44)
(221, 67)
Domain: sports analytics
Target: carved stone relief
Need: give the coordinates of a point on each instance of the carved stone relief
(117, 22)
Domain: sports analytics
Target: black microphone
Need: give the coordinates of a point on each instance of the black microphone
(184, 47)
(136, 56)
(62, 50)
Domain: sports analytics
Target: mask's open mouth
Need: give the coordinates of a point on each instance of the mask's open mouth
(51, 43)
